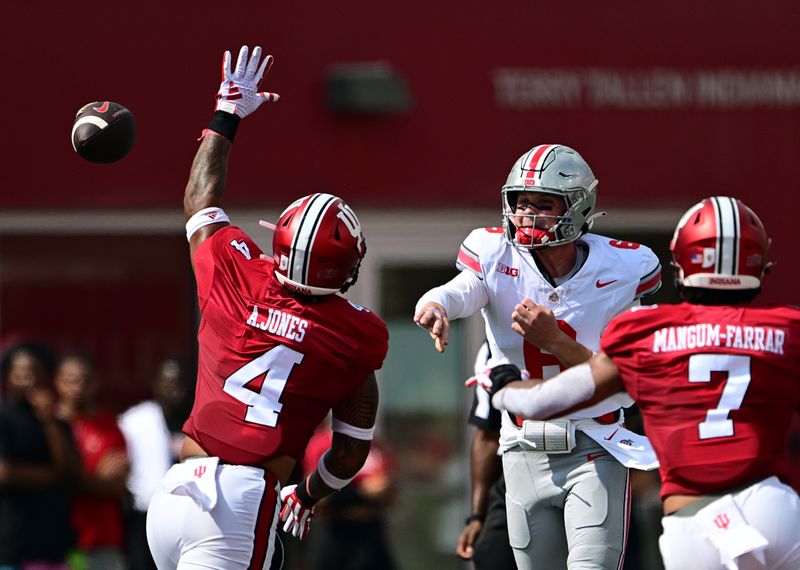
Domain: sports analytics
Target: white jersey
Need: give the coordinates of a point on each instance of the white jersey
(496, 276)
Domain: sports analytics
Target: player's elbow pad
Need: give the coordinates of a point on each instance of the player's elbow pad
(547, 400)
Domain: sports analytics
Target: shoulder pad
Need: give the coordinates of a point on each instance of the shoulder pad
(641, 260)
(477, 246)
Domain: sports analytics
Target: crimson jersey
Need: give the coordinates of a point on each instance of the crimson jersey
(270, 367)
(97, 519)
(717, 387)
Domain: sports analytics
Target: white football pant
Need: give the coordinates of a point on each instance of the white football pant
(567, 510)
(768, 507)
(237, 533)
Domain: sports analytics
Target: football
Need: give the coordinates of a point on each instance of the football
(103, 132)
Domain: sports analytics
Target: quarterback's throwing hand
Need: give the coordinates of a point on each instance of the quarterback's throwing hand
(433, 318)
(238, 93)
(296, 514)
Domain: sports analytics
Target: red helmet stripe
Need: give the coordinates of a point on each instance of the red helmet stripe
(535, 164)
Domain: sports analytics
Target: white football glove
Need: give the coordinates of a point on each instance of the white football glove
(238, 93)
(295, 515)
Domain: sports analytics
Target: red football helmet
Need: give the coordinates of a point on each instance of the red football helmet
(317, 245)
(720, 244)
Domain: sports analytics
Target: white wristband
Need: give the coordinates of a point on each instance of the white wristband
(329, 478)
(364, 434)
(548, 399)
(205, 217)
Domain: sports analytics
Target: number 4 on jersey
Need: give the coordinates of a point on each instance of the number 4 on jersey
(263, 406)
(242, 248)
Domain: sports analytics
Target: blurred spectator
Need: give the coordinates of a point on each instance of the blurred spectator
(350, 526)
(152, 431)
(97, 506)
(646, 510)
(38, 463)
(484, 539)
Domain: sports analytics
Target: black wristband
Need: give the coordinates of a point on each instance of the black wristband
(474, 517)
(225, 124)
(302, 494)
(502, 374)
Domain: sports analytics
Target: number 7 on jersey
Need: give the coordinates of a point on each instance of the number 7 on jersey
(737, 367)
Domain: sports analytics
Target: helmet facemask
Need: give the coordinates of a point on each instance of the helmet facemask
(558, 171)
(547, 230)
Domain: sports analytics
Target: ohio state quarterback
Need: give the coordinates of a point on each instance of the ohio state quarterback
(278, 350)
(546, 288)
(717, 382)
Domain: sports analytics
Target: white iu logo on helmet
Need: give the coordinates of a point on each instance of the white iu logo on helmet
(348, 217)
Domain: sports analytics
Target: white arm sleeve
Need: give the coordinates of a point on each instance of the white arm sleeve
(548, 399)
(462, 296)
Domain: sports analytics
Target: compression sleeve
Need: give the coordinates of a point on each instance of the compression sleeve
(548, 399)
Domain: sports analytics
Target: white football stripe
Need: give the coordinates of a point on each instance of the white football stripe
(728, 239)
(91, 119)
(306, 233)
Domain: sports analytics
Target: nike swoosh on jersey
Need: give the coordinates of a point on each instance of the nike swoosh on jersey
(593, 456)
(612, 435)
(599, 284)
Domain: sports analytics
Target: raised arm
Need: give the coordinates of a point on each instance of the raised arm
(206, 184)
(238, 96)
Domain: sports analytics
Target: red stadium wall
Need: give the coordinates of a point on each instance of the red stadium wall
(668, 102)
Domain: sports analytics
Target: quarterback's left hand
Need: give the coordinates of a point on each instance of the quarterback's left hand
(297, 511)
(536, 323)
(238, 93)
(493, 379)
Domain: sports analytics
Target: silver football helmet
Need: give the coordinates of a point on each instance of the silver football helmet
(557, 170)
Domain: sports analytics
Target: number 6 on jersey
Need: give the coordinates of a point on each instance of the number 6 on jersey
(264, 405)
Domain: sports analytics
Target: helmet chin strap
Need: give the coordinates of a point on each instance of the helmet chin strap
(590, 219)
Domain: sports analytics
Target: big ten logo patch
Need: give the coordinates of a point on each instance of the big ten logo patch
(505, 269)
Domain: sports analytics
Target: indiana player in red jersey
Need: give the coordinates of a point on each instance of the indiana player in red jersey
(278, 350)
(717, 383)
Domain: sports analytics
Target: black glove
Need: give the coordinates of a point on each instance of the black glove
(502, 375)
